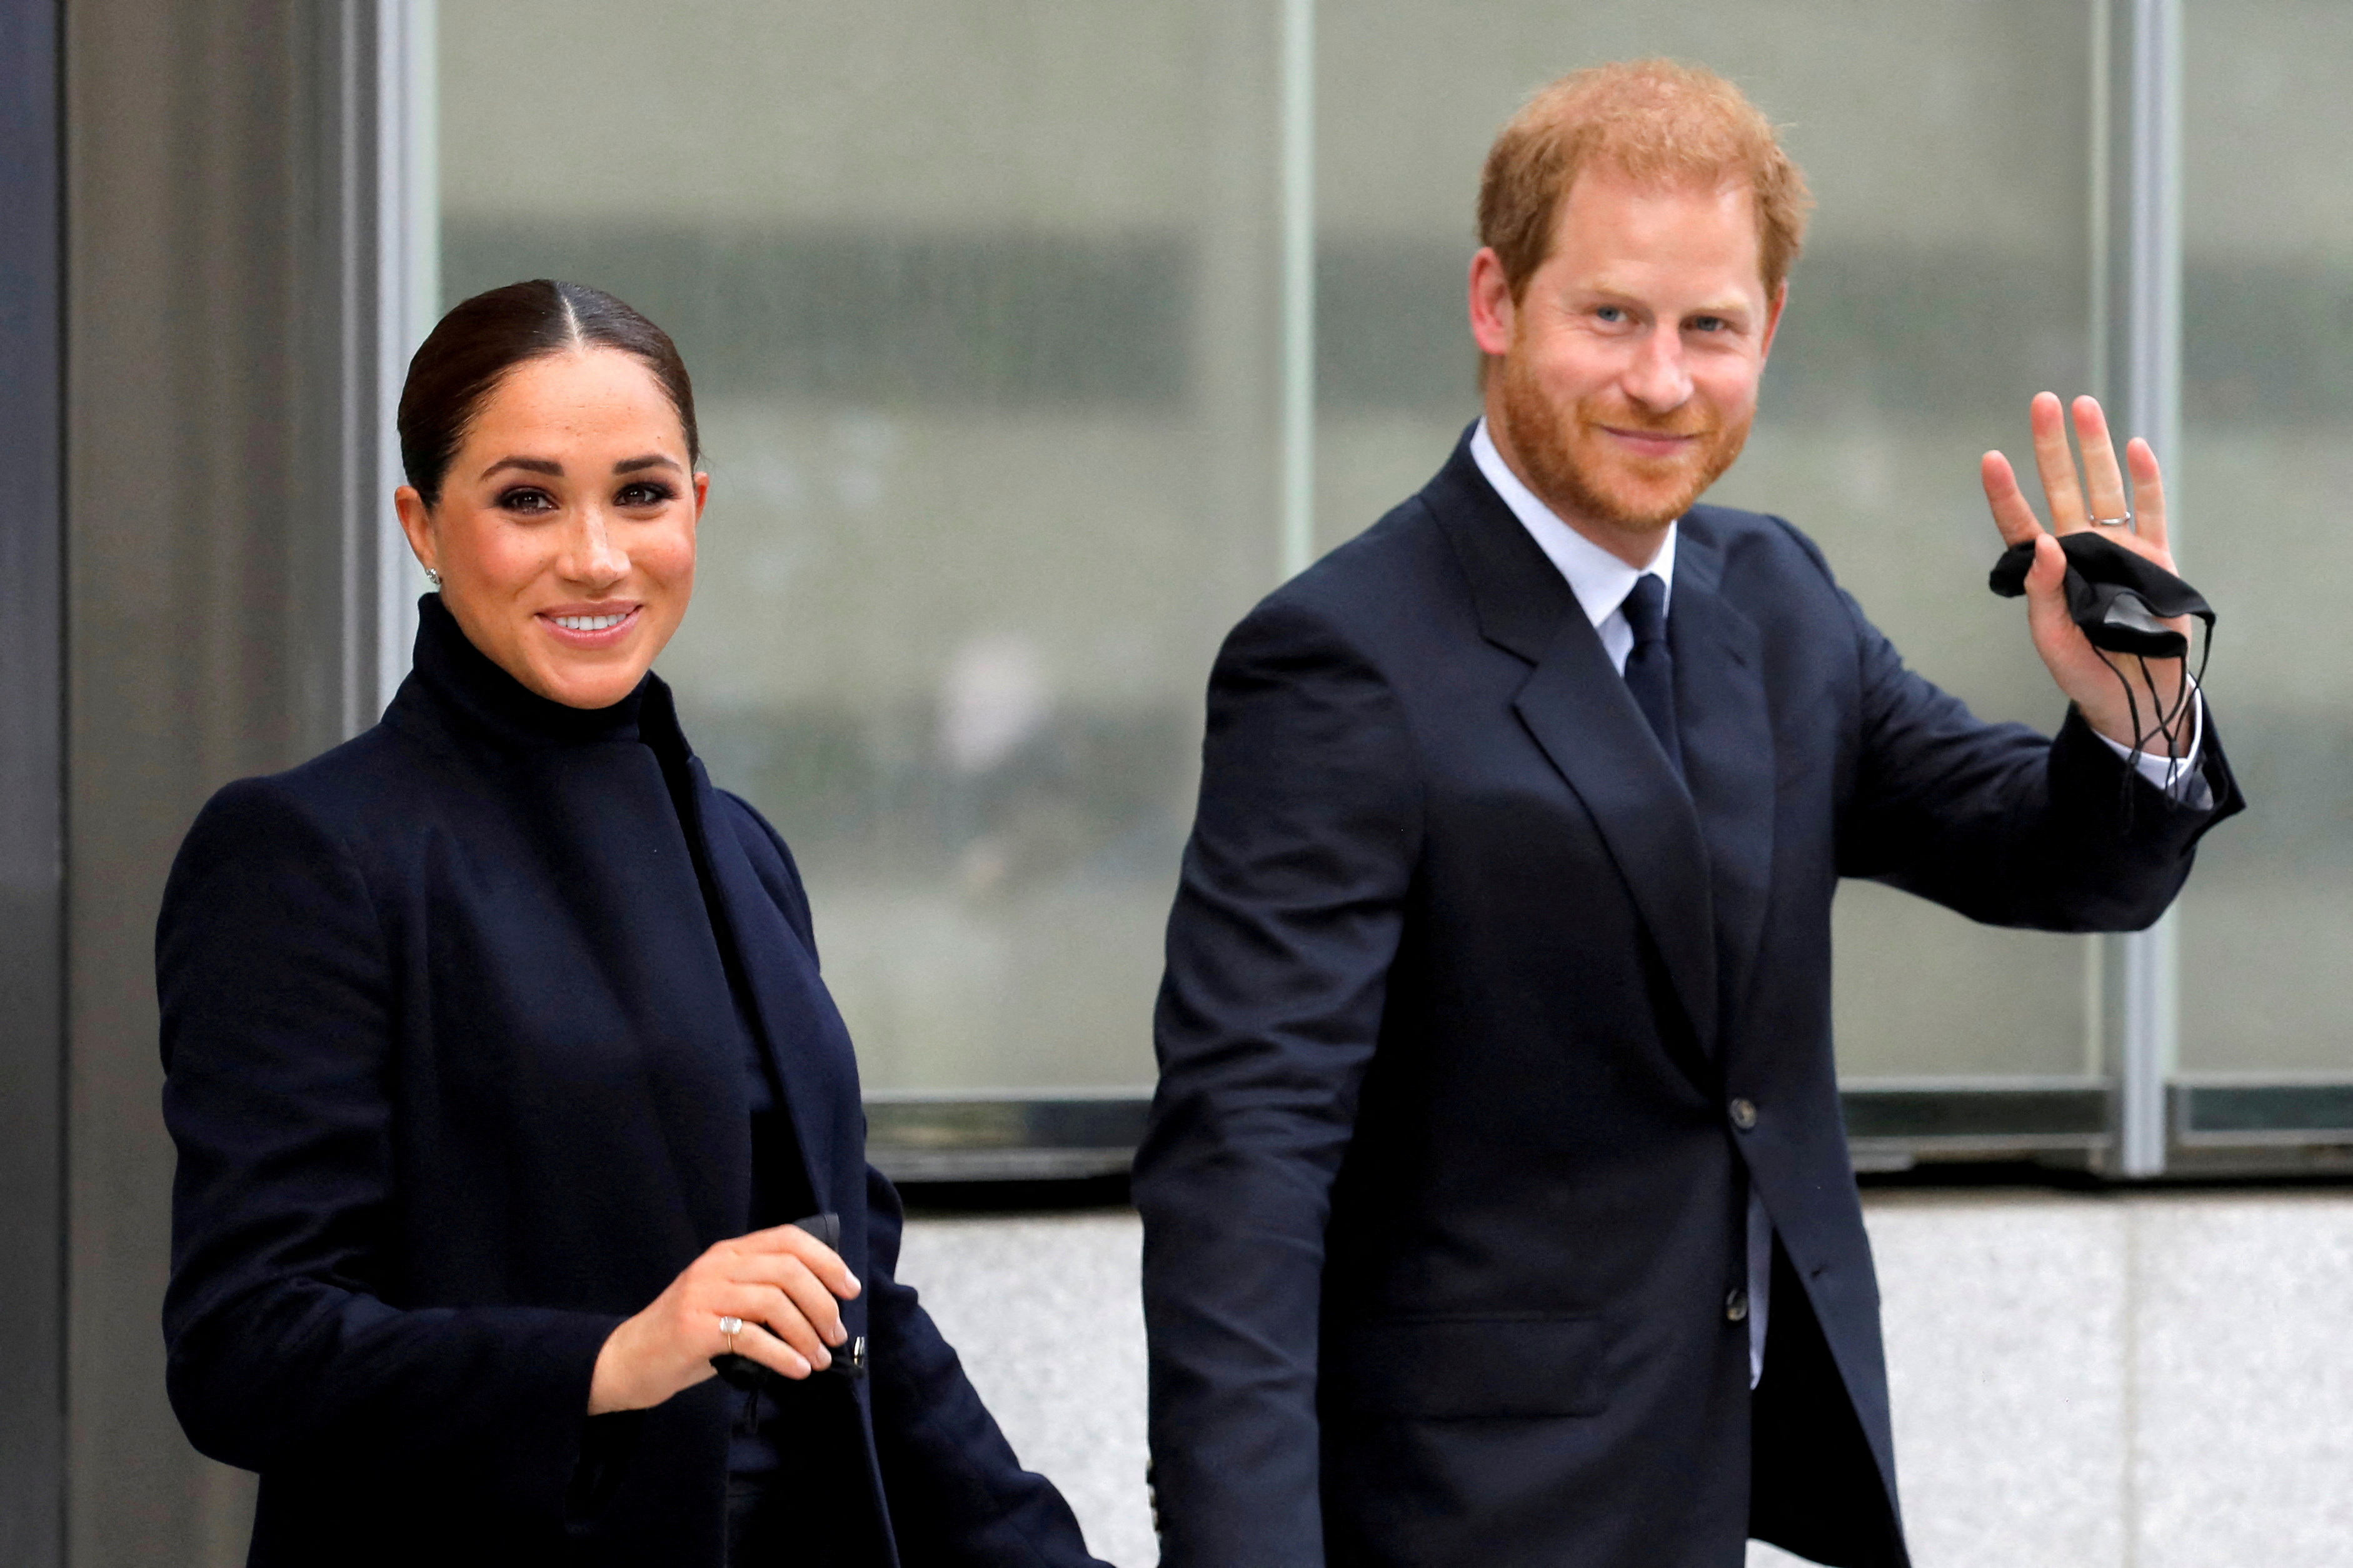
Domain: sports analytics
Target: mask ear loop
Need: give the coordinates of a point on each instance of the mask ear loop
(2193, 689)
(2167, 722)
(2132, 710)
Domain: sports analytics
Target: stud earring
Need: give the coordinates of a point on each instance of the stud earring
(433, 577)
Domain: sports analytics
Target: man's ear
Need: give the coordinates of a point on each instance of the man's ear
(1492, 309)
(1773, 319)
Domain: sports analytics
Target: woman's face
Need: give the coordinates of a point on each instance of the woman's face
(565, 534)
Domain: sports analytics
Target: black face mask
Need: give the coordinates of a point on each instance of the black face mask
(2121, 601)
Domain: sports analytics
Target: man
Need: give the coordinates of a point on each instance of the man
(1497, 1203)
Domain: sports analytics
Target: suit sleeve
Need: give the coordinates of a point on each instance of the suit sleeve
(1286, 921)
(2004, 825)
(277, 1001)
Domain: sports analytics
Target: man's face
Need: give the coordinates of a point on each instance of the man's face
(1628, 366)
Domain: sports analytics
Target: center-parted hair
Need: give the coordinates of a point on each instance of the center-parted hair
(1652, 120)
(479, 341)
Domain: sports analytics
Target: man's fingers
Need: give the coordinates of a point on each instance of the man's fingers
(2011, 515)
(2046, 599)
(2056, 464)
(2104, 481)
(2149, 496)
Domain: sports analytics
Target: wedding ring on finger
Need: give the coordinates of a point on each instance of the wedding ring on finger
(731, 1327)
(2124, 521)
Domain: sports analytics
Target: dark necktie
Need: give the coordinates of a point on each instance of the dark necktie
(1651, 668)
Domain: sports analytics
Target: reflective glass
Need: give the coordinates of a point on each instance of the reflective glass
(1947, 279)
(977, 295)
(2267, 340)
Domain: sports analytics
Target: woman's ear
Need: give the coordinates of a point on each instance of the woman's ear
(416, 522)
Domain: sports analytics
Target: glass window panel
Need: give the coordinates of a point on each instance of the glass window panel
(2267, 339)
(1947, 279)
(978, 298)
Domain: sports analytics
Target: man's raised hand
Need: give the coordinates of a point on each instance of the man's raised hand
(2093, 681)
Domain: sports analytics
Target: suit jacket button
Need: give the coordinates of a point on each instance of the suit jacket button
(1743, 1114)
(1735, 1305)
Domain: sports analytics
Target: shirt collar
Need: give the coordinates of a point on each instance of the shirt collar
(1599, 579)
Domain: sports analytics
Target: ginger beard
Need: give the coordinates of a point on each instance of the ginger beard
(1579, 471)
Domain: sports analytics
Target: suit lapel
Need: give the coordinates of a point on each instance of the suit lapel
(1727, 736)
(1580, 711)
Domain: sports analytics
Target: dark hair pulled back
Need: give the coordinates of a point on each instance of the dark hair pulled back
(479, 341)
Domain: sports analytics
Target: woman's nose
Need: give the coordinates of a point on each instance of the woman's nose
(595, 557)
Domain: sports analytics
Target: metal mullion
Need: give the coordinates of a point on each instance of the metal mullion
(407, 288)
(1298, 223)
(2141, 338)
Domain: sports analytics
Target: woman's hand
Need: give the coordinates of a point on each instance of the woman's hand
(2095, 683)
(783, 1283)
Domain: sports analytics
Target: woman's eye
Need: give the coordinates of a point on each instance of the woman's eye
(646, 494)
(526, 498)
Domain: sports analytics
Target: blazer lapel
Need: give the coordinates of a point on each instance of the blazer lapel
(789, 1004)
(1581, 714)
(1727, 736)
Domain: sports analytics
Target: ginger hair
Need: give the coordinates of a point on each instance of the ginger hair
(1652, 120)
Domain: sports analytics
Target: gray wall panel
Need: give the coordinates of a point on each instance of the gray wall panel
(220, 243)
(32, 1393)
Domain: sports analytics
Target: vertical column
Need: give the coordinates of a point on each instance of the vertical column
(221, 449)
(1298, 285)
(32, 802)
(408, 233)
(2140, 342)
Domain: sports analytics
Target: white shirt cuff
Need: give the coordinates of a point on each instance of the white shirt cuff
(2179, 777)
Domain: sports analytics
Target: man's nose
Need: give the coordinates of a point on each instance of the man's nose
(1659, 379)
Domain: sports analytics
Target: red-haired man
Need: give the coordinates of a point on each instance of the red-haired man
(1497, 1201)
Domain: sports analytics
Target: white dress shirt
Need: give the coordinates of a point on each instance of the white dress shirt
(1601, 581)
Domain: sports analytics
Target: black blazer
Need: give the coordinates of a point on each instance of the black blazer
(439, 1010)
(1442, 1192)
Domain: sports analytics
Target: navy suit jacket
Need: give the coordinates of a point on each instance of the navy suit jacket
(446, 1031)
(1442, 1195)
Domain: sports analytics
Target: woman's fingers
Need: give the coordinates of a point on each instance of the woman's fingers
(2148, 499)
(802, 1289)
(761, 1345)
(2104, 481)
(2011, 515)
(2056, 464)
(822, 1261)
(770, 1307)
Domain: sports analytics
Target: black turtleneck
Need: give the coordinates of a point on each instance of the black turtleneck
(648, 717)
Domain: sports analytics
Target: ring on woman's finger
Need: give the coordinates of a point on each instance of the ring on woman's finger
(731, 1327)
(2124, 521)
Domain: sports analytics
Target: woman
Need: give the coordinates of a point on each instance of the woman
(499, 1064)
